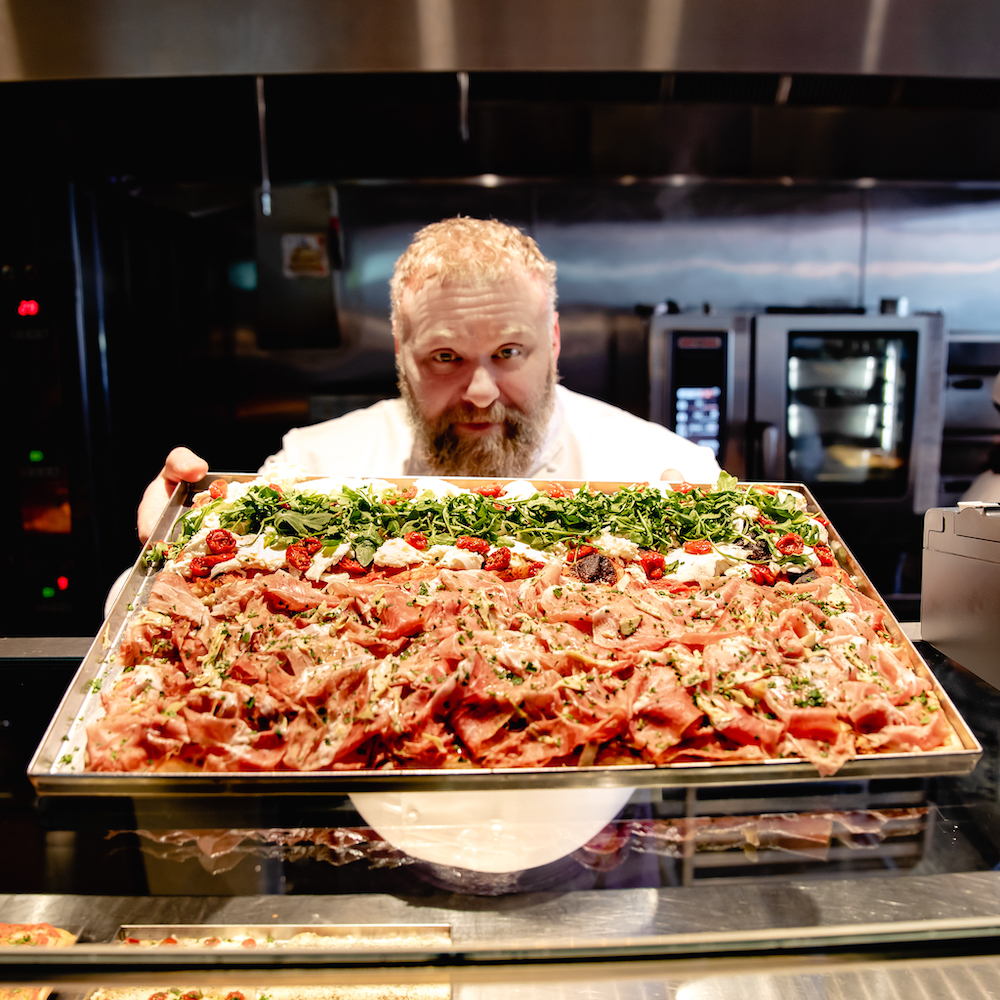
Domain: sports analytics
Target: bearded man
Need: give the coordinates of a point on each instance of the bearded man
(477, 339)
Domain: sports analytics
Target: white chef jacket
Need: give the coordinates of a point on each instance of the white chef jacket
(586, 439)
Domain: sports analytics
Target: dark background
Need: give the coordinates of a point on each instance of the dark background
(128, 201)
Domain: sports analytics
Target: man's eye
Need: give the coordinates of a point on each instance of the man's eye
(445, 356)
(508, 352)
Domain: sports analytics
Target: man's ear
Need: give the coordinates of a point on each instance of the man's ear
(556, 337)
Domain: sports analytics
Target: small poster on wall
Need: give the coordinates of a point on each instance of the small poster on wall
(304, 255)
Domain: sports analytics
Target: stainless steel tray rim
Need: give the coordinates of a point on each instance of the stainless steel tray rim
(940, 761)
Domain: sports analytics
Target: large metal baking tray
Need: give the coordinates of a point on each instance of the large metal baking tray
(57, 765)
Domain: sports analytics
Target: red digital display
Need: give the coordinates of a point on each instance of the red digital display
(27, 307)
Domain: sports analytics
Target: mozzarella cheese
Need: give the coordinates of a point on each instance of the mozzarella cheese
(397, 553)
(437, 486)
(615, 545)
(519, 489)
(452, 557)
(321, 563)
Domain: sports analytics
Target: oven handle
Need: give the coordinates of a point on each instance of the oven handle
(769, 451)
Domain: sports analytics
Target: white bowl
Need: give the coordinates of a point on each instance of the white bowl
(495, 831)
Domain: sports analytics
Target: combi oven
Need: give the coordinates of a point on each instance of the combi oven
(848, 404)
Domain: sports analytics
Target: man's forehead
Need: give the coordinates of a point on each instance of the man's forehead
(519, 286)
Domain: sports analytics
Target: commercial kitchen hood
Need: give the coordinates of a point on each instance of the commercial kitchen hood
(78, 39)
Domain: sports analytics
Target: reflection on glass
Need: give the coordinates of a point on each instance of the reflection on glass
(849, 402)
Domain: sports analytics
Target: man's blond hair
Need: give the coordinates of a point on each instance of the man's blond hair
(474, 251)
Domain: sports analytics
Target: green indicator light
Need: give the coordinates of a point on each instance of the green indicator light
(35, 455)
(48, 591)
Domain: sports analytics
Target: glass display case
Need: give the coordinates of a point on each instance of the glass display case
(690, 891)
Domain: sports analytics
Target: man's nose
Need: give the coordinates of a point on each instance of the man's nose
(482, 390)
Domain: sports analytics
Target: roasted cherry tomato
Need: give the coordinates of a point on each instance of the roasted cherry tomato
(498, 559)
(159, 996)
(395, 496)
(311, 545)
(131, 940)
(248, 943)
(169, 940)
(698, 547)
(201, 566)
(490, 490)
(764, 520)
(209, 942)
(557, 490)
(578, 552)
(236, 995)
(535, 567)
(652, 564)
(218, 489)
(349, 565)
(473, 544)
(298, 556)
(197, 994)
(824, 555)
(762, 575)
(220, 541)
(416, 539)
(277, 489)
(684, 487)
(790, 544)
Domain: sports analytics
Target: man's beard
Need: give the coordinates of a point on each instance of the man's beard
(508, 454)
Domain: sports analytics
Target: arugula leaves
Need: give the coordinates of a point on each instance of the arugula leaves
(649, 518)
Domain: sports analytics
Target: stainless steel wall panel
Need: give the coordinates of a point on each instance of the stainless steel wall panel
(731, 246)
(940, 249)
(734, 245)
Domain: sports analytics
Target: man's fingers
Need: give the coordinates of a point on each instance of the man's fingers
(184, 464)
(154, 499)
(671, 476)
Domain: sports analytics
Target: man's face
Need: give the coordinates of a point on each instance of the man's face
(476, 367)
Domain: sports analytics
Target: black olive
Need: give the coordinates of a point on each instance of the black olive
(595, 568)
(758, 551)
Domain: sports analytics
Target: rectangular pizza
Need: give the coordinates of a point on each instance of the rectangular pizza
(35, 936)
(359, 625)
(32, 936)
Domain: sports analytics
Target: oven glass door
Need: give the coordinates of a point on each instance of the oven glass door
(849, 414)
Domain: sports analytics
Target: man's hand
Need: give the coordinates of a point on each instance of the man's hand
(182, 465)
